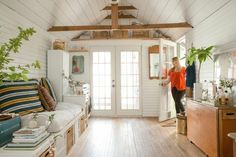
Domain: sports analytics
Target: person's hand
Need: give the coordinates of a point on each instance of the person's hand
(163, 84)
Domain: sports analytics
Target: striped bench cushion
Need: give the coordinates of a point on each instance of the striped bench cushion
(20, 97)
(47, 84)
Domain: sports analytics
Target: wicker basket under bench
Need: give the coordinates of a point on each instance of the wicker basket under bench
(70, 139)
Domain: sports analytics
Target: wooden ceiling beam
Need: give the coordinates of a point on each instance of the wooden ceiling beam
(114, 16)
(122, 16)
(162, 34)
(157, 26)
(130, 7)
(109, 27)
(79, 28)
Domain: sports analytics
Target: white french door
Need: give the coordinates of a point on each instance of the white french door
(167, 107)
(103, 78)
(116, 81)
(128, 80)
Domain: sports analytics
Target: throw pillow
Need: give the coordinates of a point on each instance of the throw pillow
(20, 97)
(47, 84)
(47, 101)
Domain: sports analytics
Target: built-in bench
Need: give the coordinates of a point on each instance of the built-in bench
(65, 125)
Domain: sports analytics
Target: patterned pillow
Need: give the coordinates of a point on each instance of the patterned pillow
(20, 97)
(47, 84)
(47, 101)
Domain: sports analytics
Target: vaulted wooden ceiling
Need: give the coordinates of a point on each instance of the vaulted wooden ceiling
(47, 13)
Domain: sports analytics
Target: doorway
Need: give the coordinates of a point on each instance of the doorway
(116, 82)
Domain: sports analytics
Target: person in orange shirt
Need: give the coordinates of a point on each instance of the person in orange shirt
(176, 76)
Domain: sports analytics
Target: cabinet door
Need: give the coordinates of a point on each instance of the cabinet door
(58, 62)
(227, 124)
(55, 71)
(202, 127)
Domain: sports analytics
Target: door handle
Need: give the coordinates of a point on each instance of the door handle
(113, 83)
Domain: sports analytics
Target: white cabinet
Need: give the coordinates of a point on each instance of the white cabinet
(82, 99)
(58, 63)
(76, 99)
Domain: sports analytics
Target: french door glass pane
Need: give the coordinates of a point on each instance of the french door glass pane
(129, 80)
(102, 80)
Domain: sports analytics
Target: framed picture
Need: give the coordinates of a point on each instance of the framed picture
(77, 64)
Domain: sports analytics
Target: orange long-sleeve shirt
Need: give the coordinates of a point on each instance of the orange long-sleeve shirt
(177, 79)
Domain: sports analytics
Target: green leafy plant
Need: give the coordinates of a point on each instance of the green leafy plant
(51, 118)
(201, 54)
(20, 72)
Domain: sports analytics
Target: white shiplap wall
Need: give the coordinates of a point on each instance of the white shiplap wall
(217, 29)
(34, 49)
(150, 88)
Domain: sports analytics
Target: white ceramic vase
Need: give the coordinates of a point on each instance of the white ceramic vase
(33, 124)
(197, 91)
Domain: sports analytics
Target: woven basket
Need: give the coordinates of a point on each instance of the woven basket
(58, 45)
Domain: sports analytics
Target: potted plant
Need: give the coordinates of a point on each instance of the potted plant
(201, 55)
(225, 92)
(20, 72)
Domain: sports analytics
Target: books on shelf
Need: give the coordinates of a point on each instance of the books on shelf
(27, 145)
(27, 138)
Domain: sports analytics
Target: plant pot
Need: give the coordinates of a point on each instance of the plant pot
(197, 91)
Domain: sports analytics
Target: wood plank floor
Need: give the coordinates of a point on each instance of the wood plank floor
(132, 137)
